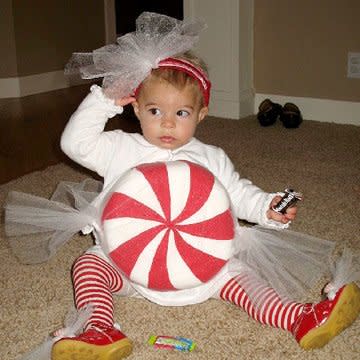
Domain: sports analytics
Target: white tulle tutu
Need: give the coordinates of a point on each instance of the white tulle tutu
(37, 227)
(289, 262)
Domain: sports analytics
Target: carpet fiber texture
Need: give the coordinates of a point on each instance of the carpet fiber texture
(319, 159)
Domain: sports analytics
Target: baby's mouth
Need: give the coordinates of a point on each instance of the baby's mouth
(167, 139)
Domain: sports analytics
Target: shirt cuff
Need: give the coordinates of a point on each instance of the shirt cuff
(110, 103)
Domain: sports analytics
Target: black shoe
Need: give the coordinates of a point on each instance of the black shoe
(268, 112)
(290, 116)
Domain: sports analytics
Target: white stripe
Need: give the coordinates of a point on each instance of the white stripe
(246, 305)
(140, 272)
(135, 185)
(226, 288)
(262, 298)
(221, 249)
(102, 319)
(280, 317)
(236, 298)
(90, 266)
(274, 318)
(241, 303)
(269, 311)
(179, 185)
(289, 310)
(258, 300)
(120, 230)
(216, 204)
(196, 73)
(94, 297)
(83, 276)
(234, 294)
(295, 312)
(89, 284)
(86, 279)
(180, 275)
(262, 293)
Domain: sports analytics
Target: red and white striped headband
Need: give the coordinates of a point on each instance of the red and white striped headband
(188, 68)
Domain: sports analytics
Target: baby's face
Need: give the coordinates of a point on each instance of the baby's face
(168, 116)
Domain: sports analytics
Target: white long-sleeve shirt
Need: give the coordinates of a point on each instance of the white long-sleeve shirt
(112, 153)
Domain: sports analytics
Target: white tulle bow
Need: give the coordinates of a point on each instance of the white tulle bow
(127, 63)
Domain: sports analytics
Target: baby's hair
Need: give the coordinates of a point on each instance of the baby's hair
(194, 59)
(180, 79)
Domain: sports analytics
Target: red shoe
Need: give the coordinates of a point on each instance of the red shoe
(95, 343)
(319, 323)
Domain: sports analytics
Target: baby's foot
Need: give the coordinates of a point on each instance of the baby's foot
(319, 323)
(98, 342)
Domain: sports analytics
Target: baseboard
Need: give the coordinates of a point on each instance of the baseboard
(16, 87)
(222, 105)
(333, 111)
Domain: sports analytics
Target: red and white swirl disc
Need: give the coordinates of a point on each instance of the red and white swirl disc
(168, 225)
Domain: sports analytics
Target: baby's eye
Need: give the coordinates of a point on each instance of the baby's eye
(154, 111)
(182, 113)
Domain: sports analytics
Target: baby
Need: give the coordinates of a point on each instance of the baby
(170, 100)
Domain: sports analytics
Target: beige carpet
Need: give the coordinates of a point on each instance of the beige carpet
(321, 160)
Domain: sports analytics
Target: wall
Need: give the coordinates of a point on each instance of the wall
(300, 54)
(40, 36)
(7, 41)
(227, 47)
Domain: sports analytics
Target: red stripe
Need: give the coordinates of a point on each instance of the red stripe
(210, 265)
(94, 280)
(157, 177)
(187, 67)
(225, 290)
(102, 270)
(121, 205)
(219, 227)
(201, 184)
(273, 311)
(158, 275)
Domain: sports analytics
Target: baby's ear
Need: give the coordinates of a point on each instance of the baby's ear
(135, 106)
(203, 113)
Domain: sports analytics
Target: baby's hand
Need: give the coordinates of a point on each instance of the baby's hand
(125, 100)
(289, 215)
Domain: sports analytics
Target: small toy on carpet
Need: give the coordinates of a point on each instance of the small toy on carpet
(172, 343)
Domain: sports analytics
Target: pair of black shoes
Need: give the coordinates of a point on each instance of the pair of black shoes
(289, 114)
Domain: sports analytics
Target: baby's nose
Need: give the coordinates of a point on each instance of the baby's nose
(168, 122)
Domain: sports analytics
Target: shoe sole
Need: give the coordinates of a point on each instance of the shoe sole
(343, 315)
(78, 350)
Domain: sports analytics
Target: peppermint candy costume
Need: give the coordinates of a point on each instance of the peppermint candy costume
(262, 252)
(178, 221)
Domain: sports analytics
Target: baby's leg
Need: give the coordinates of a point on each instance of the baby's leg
(269, 308)
(95, 281)
(313, 324)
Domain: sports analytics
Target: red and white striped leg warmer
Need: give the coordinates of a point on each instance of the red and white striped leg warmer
(271, 310)
(95, 281)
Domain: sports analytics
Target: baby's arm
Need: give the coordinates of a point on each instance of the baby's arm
(249, 201)
(84, 139)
